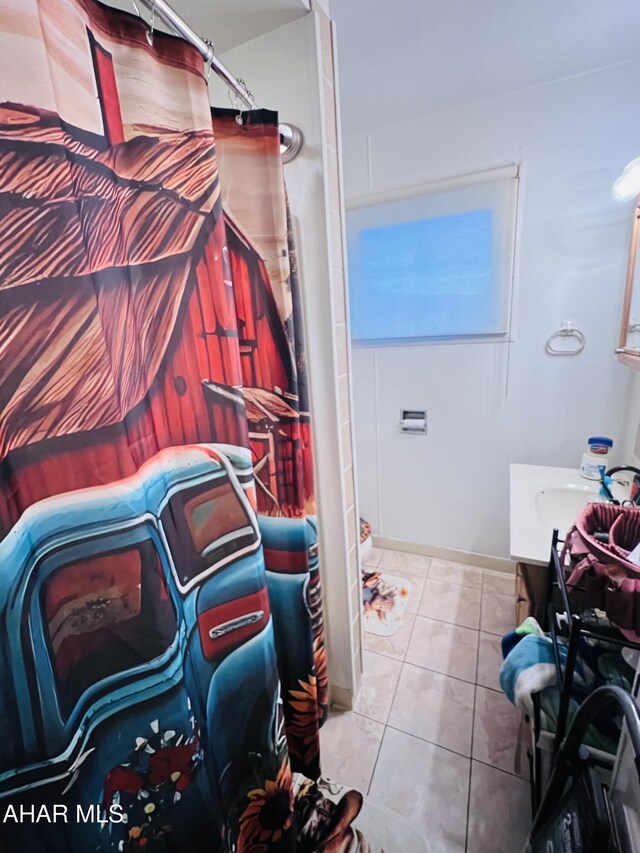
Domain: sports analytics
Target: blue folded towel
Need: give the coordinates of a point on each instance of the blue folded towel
(528, 668)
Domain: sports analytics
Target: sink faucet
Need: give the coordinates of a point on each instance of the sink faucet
(615, 470)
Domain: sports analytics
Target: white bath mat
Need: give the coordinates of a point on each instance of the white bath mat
(384, 602)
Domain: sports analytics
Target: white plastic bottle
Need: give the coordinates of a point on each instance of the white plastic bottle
(595, 459)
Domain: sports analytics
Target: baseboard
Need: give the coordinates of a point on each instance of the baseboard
(469, 558)
(340, 698)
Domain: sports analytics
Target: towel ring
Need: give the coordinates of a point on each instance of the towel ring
(566, 330)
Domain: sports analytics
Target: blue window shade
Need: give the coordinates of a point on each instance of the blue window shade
(433, 276)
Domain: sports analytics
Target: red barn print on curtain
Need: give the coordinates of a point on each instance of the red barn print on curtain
(271, 342)
(144, 641)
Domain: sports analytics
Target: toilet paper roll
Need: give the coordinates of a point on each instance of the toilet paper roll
(413, 425)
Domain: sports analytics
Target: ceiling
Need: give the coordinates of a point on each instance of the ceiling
(228, 23)
(415, 57)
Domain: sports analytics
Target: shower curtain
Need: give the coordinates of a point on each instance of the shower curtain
(260, 242)
(162, 665)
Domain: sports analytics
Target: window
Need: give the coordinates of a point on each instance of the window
(204, 524)
(213, 514)
(104, 615)
(434, 264)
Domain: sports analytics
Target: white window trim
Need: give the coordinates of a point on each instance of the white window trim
(512, 170)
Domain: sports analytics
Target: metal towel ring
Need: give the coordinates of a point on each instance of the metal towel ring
(566, 330)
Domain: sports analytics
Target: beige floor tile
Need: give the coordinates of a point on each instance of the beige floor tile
(489, 661)
(386, 830)
(500, 582)
(499, 811)
(349, 747)
(417, 585)
(450, 602)
(495, 731)
(434, 707)
(379, 679)
(445, 648)
(394, 646)
(413, 564)
(447, 572)
(498, 613)
(426, 784)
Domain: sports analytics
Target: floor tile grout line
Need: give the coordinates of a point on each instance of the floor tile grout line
(473, 732)
(386, 725)
(432, 743)
(394, 691)
(439, 672)
(384, 654)
(393, 699)
(500, 769)
(464, 567)
(466, 835)
(375, 763)
(406, 651)
(443, 622)
(455, 624)
(410, 574)
(493, 689)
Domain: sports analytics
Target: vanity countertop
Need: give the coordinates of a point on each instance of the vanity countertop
(542, 498)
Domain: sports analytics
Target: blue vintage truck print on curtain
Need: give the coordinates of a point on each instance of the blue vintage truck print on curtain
(132, 633)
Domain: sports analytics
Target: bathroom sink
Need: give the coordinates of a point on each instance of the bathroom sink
(559, 506)
(543, 498)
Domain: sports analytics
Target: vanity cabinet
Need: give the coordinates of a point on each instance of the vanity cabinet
(531, 591)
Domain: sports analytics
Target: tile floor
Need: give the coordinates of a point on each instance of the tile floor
(432, 737)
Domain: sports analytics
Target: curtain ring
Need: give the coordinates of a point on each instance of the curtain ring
(151, 24)
(236, 102)
(209, 44)
(239, 117)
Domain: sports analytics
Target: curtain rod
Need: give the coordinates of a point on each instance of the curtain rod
(204, 47)
(291, 138)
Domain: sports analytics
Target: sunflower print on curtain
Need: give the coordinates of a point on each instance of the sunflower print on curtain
(264, 272)
(140, 671)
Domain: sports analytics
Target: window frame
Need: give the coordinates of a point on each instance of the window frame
(141, 546)
(201, 483)
(501, 173)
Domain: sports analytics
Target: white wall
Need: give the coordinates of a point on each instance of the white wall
(490, 404)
